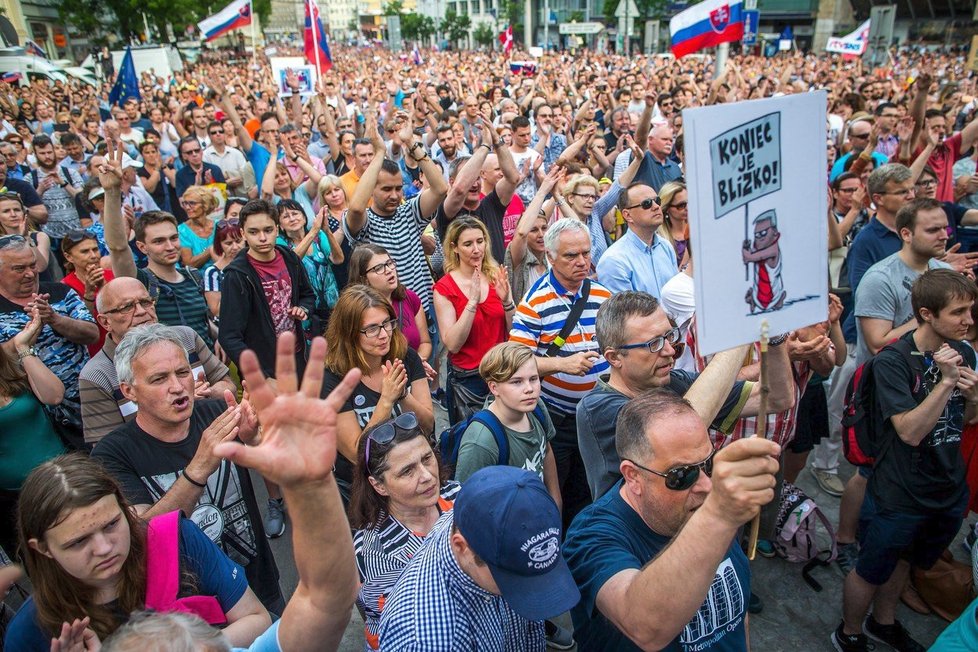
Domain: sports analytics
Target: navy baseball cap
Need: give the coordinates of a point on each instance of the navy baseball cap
(512, 523)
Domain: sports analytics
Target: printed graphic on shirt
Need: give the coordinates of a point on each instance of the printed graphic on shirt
(719, 614)
(948, 427)
(221, 513)
(535, 465)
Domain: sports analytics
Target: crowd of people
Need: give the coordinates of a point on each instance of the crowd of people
(444, 311)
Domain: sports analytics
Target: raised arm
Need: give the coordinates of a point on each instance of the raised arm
(505, 187)
(918, 106)
(645, 122)
(116, 226)
(245, 141)
(517, 246)
(467, 175)
(356, 215)
(437, 188)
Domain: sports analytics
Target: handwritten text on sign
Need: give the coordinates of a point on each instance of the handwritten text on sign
(746, 163)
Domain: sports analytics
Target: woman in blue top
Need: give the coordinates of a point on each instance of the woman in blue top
(197, 233)
(85, 552)
(318, 249)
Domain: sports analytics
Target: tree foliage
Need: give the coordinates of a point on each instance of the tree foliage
(454, 26)
(484, 34)
(415, 27)
(393, 8)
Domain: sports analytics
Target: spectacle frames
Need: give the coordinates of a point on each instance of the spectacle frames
(374, 329)
(646, 204)
(383, 268)
(77, 235)
(189, 202)
(585, 196)
(673, 336)
(385, 432)
(847, 191)
(129, 307)
(930, 183)
(681, 478)
(188, 152)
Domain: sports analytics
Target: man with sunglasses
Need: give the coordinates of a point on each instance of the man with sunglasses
(230, 160)
(124, 304)
(656, 558)
(859, 132)
(195, 172)
(641, 343)
(640, 259)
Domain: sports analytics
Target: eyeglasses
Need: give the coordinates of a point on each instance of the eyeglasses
(188, 152)
(681, 478)
(646, 204)
(231, 222)
(373, 330)
(382, 268)
(674, 336)
(11, 240)
(929, 183)
(385, 432)
(189, 202)
(910, 190)
(129, 307)
(680, 205)
(585, 196)
(847, 191)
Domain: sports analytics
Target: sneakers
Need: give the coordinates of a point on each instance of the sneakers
(558, 638)
(970, 538)
(275, 518)
(893, 635)
(845, 643)
(765, 548)
(828, 482)
(848, 554)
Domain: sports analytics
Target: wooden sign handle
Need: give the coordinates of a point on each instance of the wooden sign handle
(755, 525)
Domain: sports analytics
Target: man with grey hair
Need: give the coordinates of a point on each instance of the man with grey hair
(123, 304)
(641, 344)
(556, 320)
(165, 458)
(297, 452)
(67, 328)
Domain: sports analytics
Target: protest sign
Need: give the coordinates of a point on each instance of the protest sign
(757, 214)
(305, 72)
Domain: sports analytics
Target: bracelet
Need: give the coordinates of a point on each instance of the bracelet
(488, 148)
(472, 309)
(778, 340)
(510, 306)
(186, 476)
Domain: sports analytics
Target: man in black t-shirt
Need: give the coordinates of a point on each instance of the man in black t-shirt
(165, 460)
(925, 388)
(465, 191)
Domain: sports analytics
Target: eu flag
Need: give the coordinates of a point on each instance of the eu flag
(126, 83)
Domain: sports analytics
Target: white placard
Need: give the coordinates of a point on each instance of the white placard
(757, 217)
(305, 72)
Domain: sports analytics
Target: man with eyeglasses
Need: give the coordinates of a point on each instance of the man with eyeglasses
(67, 328)
(641, 343)
(124, 304)
(195, 172)
(231, 161)
(546, 141)
(887, 115)
(657, 558)
(640, 259)
(858, 135)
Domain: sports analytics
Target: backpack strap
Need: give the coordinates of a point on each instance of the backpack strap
(491, 421)
(163, 572)
(570, 322)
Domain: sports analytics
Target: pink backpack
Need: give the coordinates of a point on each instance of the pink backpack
(163, 573)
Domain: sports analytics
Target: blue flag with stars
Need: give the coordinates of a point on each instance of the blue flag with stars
(126, 83)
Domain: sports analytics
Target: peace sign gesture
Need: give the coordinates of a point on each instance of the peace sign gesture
(298, 429)
(110, 167)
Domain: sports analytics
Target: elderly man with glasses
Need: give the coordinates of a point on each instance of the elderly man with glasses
(67, 327)
(123, 304)
(195, 171)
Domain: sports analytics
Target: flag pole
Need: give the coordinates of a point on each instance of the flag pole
(254, 34)
(314, 28)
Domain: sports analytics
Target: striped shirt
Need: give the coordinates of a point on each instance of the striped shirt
(104, 408)
(382, 552)
(537, 322)
(183, 303)
(400, 235)
(437, 607)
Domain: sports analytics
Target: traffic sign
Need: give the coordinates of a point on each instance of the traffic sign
(580, 28)
(751, 19)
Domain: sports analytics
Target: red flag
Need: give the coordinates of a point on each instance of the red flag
(316, 48)
(506, 38)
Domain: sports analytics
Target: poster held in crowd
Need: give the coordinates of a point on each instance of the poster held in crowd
(756, 173)
(306, 74)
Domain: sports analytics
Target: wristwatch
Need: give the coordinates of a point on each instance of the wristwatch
(29, 352)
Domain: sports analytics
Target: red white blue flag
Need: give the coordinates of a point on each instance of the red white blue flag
(235, 15)
(506, 38)
(316, 49)
(705, 25)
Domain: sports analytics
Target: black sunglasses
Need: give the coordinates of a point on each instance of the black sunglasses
(77, 235)
(681, 478)
(385, 432)
(9, 240)
(646, 204)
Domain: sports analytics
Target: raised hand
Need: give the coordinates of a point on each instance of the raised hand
(835, 308)
(110, 167)
(474, 291)
(395, 381)
(501, 284)
(76, 637)
(298, 443)
(948, 361)
(28, 335)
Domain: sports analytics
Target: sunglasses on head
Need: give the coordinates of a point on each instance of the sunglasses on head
(646, 204)
(385, 432)
(77, 235)
(681, 478)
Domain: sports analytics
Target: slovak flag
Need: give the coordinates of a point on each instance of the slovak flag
(33, 48)
(506, 38)
(416, 56)
(235, 15)
(318, 46)
(705, 25)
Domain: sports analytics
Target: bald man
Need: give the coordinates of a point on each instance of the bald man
(123, 304)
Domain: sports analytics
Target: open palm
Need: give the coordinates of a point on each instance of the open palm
(298, 428)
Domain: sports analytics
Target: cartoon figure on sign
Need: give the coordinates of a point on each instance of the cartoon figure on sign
(767, 292)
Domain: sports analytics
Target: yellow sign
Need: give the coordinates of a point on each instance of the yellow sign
(973, 55)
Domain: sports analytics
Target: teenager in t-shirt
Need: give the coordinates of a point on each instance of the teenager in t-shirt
(265, 292)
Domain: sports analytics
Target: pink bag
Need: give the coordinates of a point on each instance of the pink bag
(163, 573)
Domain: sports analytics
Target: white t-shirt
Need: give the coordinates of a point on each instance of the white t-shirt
(679, 302)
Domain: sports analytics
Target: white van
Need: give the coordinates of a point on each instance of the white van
(15, 59)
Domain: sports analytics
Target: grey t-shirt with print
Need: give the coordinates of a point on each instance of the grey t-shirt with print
(527, 450)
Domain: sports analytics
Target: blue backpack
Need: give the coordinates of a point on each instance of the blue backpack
(450, 439)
